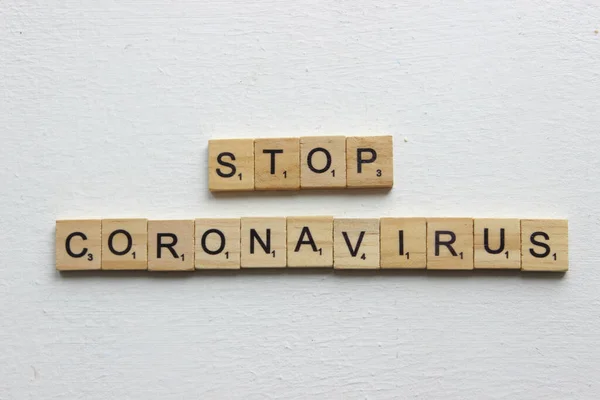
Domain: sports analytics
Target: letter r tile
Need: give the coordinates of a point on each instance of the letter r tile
(171, 245)
(450, 243)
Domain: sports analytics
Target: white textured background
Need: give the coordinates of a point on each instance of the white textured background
(106, 108)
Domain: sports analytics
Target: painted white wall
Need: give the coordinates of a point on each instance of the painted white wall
(106, 108)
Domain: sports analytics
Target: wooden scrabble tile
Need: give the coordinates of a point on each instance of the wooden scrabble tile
(403, 242)
(218, 243)
(310, 241)
(450, 243)
(322, 162)
(356, 243)
(171, 245)
(544, 245)
(277, 164)
(124, 244)
(263, 242)
(497, 243)
(78, 244)
(231, 165)
(370, 162)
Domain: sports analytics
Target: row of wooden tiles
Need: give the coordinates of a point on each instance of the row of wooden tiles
(342, 243)
(314, 162)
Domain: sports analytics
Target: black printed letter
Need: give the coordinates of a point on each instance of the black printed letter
(226, 164)
(534, 241)
(68, 245)
(265, 246)
(401, 243)
(169, 246)
(310, 164)
(359, 159)
(111, 237)
(486, 241)
(353, 252)
(273, 152)
(310, 240)
(221, 246)
(447, 243)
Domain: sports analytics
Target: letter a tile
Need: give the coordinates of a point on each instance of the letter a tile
(310, 241)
